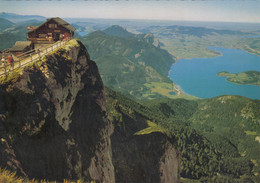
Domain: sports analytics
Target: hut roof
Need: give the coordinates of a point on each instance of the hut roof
(20, 45)
(60, 22)
(64, 24)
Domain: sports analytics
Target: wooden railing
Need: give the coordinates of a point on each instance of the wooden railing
(28, 57)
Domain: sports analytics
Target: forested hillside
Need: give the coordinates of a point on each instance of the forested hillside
(129, 62)
(16, 32)
(100, 44)
(231, 124)
(207, 153)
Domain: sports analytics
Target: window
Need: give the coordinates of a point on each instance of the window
(52, 26)
(42, 35)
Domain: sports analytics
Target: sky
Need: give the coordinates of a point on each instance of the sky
(184, 10)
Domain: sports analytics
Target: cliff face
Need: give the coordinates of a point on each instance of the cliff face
(53, 121)
(142, 150)
(54, 126)
(145, 158)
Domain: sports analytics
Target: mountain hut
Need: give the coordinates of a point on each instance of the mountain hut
(52, 30)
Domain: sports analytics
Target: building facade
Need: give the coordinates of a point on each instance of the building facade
(54, 29)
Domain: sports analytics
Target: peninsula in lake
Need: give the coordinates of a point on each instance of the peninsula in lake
(244, 78)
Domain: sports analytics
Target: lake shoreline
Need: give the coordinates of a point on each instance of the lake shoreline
(198, 76)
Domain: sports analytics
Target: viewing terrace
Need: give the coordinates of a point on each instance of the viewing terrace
(26, 58)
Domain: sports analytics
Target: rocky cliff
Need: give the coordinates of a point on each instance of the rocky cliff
(53, 120)
(145, 158)
(54, 125)
(142, 150)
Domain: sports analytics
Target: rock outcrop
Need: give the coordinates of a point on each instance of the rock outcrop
(142, 150)
(146, 158)
(53, 120)
(54, 125)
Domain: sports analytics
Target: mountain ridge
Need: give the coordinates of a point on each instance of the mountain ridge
(4, 24)
(116, 30)
(136, 52)
(18, 18)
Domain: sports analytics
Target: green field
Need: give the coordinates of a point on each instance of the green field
(169, 90)
(192, 47)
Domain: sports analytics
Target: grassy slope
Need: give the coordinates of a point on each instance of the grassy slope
(124, 75)
(250, 45)
(11, 177)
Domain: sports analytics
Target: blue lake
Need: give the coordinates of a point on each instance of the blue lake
(198, 76)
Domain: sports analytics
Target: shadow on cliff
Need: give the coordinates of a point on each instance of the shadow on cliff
(53, 119)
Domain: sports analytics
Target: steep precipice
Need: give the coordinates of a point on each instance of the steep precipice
(53, 119)
(142, 150)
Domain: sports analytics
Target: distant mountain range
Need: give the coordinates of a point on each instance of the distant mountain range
(190, 30)
(20, 18)
(119, 31)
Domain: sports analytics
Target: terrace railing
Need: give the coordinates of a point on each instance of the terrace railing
(28, 57)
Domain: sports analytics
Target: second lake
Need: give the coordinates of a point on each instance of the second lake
(198, 76)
